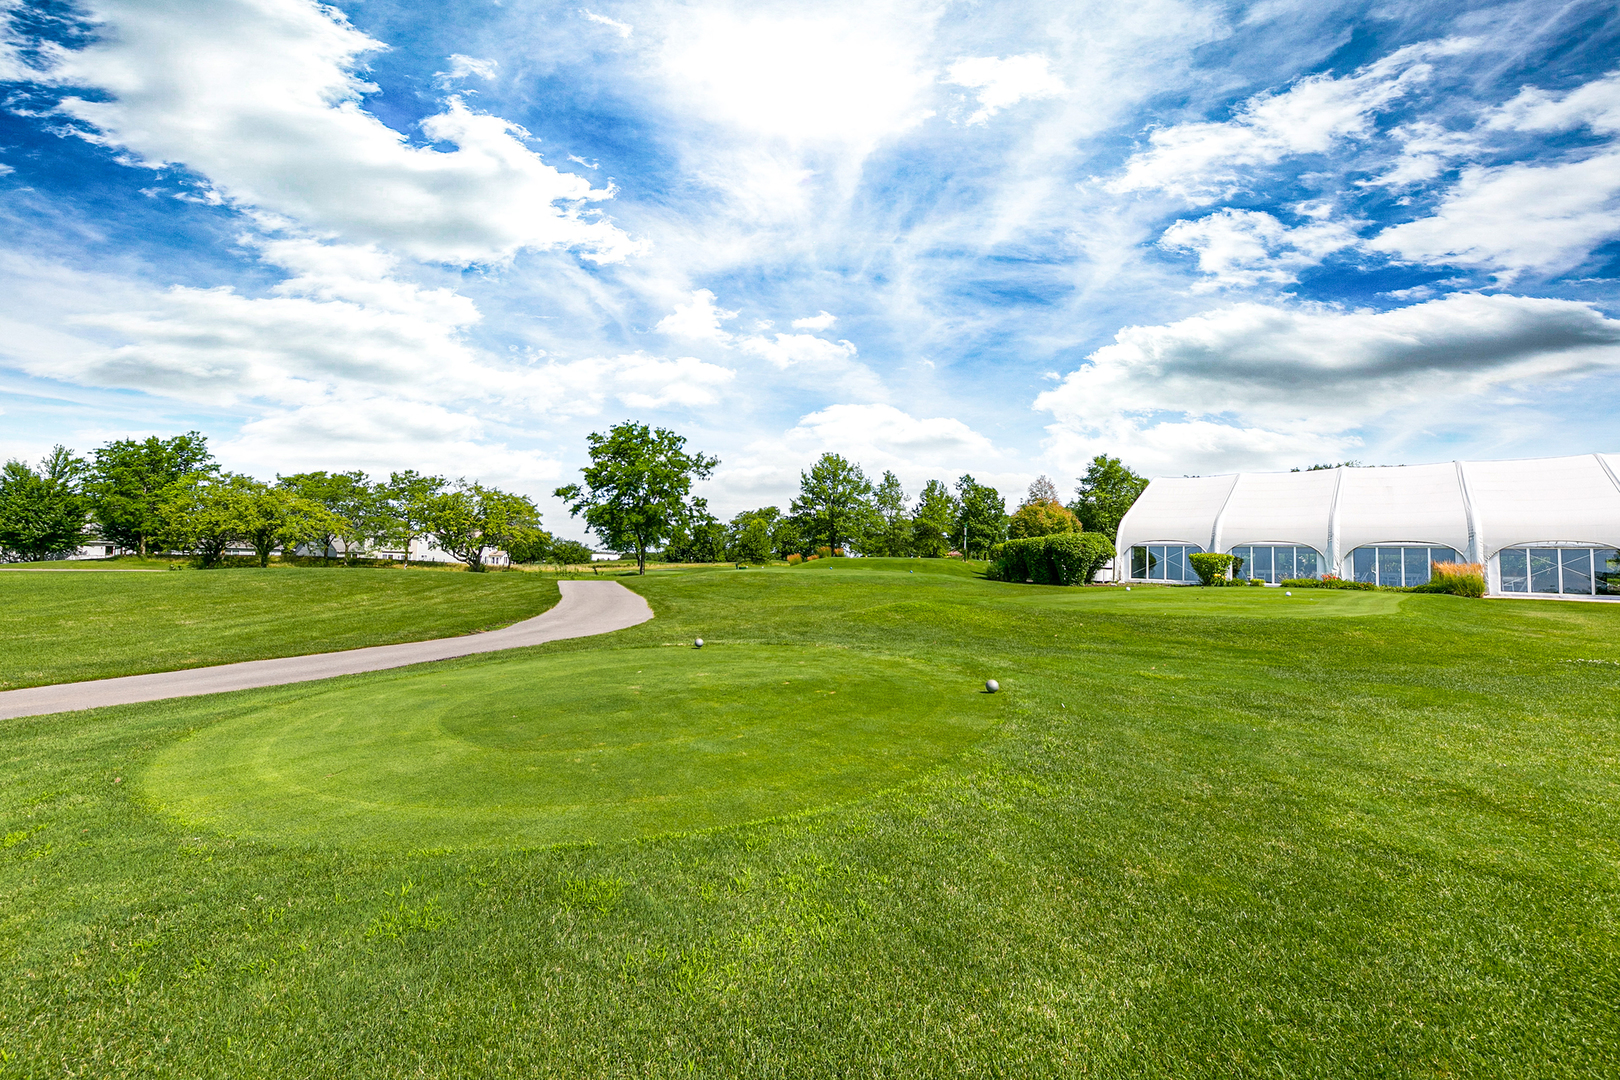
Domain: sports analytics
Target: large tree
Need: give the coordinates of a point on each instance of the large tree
(1106, 491)
(932, 521)
(981, 516)
(469, 520)
(636, 487)
(130, 481)
(407, 501)
(832, 504)
(357, 509)
(43, 511)
(273, 517)
(891, 526)
(205, 513)
(699, 537)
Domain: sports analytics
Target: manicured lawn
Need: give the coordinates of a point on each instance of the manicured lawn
(1199, 834)
(64, 627)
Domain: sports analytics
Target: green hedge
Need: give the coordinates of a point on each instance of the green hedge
(1328, 583)
(1061, 559)
(1211, 566)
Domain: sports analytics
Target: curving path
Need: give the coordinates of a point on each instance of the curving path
(586, 608)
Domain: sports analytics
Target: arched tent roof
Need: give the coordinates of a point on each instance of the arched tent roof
(1476, 507)
(1422, 504)
(1520, 502)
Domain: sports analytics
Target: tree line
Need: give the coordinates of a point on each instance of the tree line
(164, 495)
(636, 496)
(170, 495)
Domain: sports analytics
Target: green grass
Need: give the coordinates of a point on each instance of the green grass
(551, 749)
(65, 627)
(1204, 837)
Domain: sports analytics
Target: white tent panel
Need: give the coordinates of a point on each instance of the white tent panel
(1418, 504)
(1573, 499)
(1175, 510)
(1280, 508)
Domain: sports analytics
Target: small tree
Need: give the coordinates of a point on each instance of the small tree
(636, 486)
(832, 505)
(205, 513)
(129, 484)
(698, 538)
(274, 517)
(356, 507)
(933, 521)
(1211, 566)
(1105, 493)
(42, 514)
(570, 552)
(469, 520)
(753, 544)
(1046, 517)
(982, 515)
(891, 533)
(406, 505)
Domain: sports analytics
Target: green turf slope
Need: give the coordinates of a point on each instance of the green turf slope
(1222, 841)
(550, 749)
(65, 627)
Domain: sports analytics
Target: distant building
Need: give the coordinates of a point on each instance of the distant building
(1539, 526)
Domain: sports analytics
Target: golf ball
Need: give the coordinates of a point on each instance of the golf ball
(698, 644)
(1288, 594)
(1127, 588)
(991, 686)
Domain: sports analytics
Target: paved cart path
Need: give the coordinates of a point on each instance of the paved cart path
(586, 608)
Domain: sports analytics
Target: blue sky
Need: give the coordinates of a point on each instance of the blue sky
(935, 237)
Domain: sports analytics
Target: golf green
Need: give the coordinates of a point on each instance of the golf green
(542, 749)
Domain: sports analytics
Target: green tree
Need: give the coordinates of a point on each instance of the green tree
(787, 538)
(273, 517)
(129, 484)
(753, 543)
(1105, 493)
(571, 553)
(832, 504)
(469, 520)
(636, 487)
(1041, 514)
(699, 537)
(932, 521)
(891, 535)
(981, 516)
(357, 509)
(537, 548)
(407, 501)
(205, 513)
(43, 512)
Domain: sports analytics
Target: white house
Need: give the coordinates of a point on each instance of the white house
(1540, 526)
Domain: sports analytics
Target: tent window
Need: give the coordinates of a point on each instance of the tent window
(1398, 565)
(1163, 562)
(1278, 563)
(1570, 571)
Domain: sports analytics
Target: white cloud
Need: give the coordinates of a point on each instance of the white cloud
(463, 66)
(1595, 105)
(786, 350)
(1248, 247)
(1256, 384)
(1203, 161)
(623, 29)
(817, 323)
(846, 73)
(636, 380)
(699, 320)
(1004, 82)
(1516, 218)
(264, 98)
(1426, 150)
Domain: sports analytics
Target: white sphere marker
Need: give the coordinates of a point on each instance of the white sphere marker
(1127, 588)
(1288, 594)
(991, 686)
(698, 644)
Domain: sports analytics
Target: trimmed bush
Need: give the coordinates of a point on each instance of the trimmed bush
(1211, 566)
(795, 559)
(1060, 559)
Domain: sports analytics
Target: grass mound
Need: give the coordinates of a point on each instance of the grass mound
(578, 746)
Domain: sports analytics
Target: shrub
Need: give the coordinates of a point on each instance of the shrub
(823, 552)
(795, 559)
(1043, 517)
(1211, 566)
(1456, 578)
(1059, 559)
(1328, 582)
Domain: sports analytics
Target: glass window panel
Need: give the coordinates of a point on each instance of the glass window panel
(1577, 570)
(1139, 557)
(1364, 564)
(1389, 566)
(1444, 554)
(1607, 571)
(1156, 562)
(1515, 570)
(1240, 569)
(1305, 562)
(1544, 570)
(1262, 564)
(1417, 566)
(1176, 563)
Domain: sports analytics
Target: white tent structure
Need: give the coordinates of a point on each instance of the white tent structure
(1542, 526)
